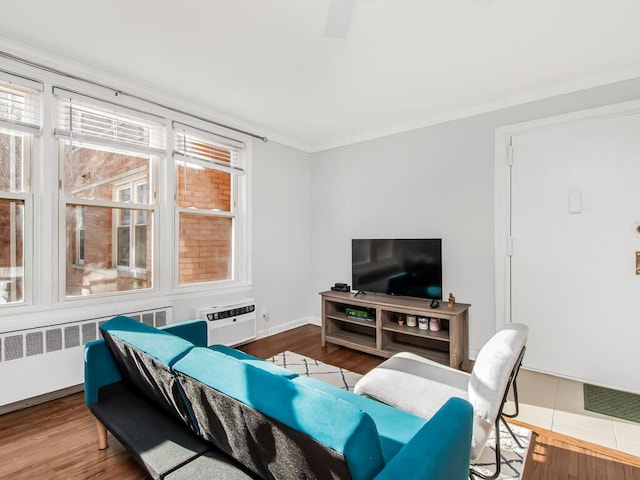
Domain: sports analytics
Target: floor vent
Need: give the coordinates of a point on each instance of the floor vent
(38, 341)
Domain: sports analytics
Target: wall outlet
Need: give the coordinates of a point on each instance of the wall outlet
(264, 314)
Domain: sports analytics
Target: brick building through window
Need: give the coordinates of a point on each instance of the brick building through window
(204, 199)
(107, 249)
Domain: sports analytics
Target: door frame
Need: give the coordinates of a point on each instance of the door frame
(502, 190)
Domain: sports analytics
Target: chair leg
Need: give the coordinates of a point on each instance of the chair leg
(513, 435)
(516, 402)
(474, 473)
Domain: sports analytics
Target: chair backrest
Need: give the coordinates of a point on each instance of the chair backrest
(492, 374)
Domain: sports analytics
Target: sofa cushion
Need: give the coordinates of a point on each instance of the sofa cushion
(158, 442)
(413, 383)
(213, 464)
(394, 426)
(299, 430)
(144, 356)
(255, 361)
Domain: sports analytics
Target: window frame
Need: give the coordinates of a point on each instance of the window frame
(45, 242)
(233, 215)
(239, 170)
(31, 132)
(62, 138)
(27, 248)
(65, 201)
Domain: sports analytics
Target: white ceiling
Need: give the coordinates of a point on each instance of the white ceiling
(404, 63)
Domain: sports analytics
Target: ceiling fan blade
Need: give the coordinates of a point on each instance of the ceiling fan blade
(339, 18)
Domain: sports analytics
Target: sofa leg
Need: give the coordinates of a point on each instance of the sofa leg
(102, 435)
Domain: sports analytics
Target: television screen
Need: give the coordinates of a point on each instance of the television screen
(407, 267)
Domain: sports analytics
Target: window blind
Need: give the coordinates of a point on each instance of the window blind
(195, 146)
(20, 100)
(94, 121)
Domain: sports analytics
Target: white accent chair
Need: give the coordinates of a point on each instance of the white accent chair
(421, 386)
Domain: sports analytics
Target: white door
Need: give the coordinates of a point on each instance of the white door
(575, 209)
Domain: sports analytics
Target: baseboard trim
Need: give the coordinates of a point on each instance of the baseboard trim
(299, 322)
(45, 397)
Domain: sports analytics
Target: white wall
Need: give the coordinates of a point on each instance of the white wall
(281, 235)
(432, 182)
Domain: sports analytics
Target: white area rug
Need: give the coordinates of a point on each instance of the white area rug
(513, 457)
(313, 368)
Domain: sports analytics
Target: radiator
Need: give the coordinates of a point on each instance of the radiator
(41, 360)
(231, 324)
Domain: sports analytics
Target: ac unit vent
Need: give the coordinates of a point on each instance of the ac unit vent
(231, 324)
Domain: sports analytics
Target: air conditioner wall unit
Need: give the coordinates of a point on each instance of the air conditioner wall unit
(231, 324)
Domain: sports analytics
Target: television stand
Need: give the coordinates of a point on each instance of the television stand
(382, 335)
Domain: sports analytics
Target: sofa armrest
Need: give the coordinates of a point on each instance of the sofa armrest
(100, 370)
(194, 331)
(440, 450)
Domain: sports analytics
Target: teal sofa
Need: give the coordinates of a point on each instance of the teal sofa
(187, 411)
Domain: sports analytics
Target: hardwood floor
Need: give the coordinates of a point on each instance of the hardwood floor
(57, 440)
(556, 456)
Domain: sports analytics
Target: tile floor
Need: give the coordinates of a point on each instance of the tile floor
(557, 404)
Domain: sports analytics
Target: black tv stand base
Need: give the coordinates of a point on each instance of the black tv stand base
(360, 292)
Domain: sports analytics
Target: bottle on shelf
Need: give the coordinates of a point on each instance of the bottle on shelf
(434, 325)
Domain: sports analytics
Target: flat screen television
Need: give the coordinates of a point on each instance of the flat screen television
(407, 267)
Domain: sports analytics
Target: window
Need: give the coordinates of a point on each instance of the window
(107, 163)
(101, 169)
(19, 123)
(209, 177)
(131, 239)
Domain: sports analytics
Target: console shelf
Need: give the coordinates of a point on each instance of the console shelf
(355, 321)
(383, 336)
